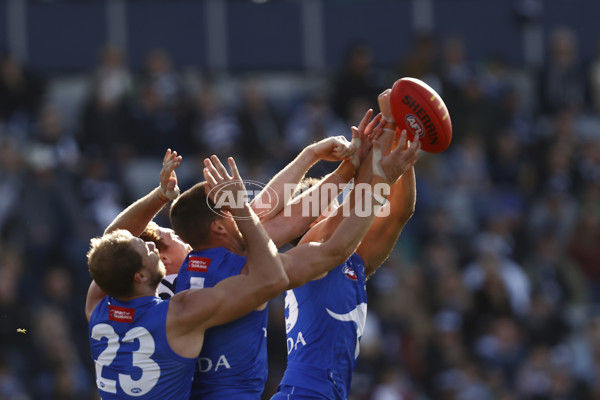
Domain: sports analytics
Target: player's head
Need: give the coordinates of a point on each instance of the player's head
(118, 260)
(194, 218)
(302, 187)
(308, 183)
(173, 250)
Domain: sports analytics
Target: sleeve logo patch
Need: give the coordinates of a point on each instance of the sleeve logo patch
(121, 314)
(350, 273)
(198, 264)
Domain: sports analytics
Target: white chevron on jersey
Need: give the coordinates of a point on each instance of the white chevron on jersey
(359, 316)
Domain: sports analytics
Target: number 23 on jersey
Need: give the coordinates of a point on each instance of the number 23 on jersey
(140, 360)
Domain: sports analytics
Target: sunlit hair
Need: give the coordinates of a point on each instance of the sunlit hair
(305, 184)
(112, 262)
(152, 234)
(191, 215)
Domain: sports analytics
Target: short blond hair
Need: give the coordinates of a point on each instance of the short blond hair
(112, 262)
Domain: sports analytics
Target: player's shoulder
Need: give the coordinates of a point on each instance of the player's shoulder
(356, 260)
(94, 298)
(194, 305)
(223, 263)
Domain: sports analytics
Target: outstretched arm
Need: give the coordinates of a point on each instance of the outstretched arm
(295, 219)
(385, 230)
(363, 135)
(335, 148)
(381, 238)
(136, 217)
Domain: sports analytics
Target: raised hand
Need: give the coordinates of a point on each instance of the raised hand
(388, 134)
(168, 179)
(219, 183)
(385, 106)
(363, 135)
(391, 166)
(334, 148)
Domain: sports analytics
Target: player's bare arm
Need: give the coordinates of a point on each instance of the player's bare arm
(136, 217)
(385, 230)
(334, 148)
(377, 245)
(362, 136)
(291, 222)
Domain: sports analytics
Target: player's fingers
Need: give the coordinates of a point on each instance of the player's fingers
(172, 163)
(176, 158)
(342, 141)
(355, 132)
(414, 145)
(213, 171)
(373, 124)
(378, 127)
(386, 91)
(209, 178)
(377, 132)
(417, 139)
(167, 156)
(220, 167)
(401, 141)
(365, 120)
(345, 150)
(339, 144)
(234, 169)
(416, 151)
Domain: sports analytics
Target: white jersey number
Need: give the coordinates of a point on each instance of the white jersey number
(141, 359)
(291, 308)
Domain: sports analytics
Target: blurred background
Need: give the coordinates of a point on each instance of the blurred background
(493, 290)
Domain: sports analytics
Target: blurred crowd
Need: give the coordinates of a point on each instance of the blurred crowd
(492, 292)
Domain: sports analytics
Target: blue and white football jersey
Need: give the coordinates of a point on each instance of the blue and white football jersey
(325, 319)
(133, 359)
(233, 361)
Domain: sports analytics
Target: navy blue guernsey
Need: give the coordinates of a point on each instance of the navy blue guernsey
(325, 319)
(132, 357)
(233, 360)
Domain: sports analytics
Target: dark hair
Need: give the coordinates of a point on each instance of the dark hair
(112, 263)
(191, 215)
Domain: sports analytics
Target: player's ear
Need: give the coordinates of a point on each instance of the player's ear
(217, 228)
(139, 276)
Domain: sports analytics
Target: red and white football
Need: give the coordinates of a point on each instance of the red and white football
(420, 110)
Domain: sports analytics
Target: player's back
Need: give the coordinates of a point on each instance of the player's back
(325, 319)
(132, 355)
(233, 361)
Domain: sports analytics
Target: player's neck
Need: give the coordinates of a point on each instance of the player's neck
(226, 241)
(140, 290)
